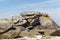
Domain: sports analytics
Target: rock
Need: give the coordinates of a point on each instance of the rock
(47, 22)
(30, 13)
(24, 33)
(12, 33)
(34, 32)
(30, 33)
(5, 27)
(5, 20)
(55, 33)
(15, 19)
(45, 14)
(5, 24)
(28, 24)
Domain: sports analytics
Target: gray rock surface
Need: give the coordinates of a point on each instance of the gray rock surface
(31, 24)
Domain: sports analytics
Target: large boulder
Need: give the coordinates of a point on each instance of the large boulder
(29, 24)
(40, 21)
(47, 22)
(35, 18)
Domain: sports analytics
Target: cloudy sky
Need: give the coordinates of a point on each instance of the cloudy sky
(9, 8)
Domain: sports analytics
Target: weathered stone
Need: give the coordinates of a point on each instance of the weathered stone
(34, 32)
(30, 14)
(30, 33)
(5, 24)
(5, 27)
(12, 33)
(55, 33)
(15, 19)
(47, 22)
(30, 24)
(24, 33)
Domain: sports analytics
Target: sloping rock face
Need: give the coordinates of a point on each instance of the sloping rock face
(29, 24)
(5, 24)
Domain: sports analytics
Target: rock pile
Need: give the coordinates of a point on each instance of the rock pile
(31, 24)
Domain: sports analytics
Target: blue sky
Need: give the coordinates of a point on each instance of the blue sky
(9, 8)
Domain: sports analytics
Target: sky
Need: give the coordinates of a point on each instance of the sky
(8, 8)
